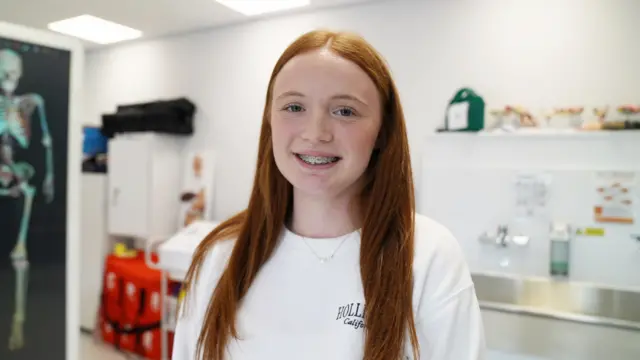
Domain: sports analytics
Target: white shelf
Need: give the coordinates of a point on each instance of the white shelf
(542, 133)
(597, 150)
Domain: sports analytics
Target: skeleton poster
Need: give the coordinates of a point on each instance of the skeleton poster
(34, 113)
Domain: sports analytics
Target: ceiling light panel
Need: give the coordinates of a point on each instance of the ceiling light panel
(94, 29)
(259, 7)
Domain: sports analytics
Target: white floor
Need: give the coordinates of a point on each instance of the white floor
(93, 349)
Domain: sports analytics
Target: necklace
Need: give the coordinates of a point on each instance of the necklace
(326, 259)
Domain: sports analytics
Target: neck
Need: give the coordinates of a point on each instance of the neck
(323, 217)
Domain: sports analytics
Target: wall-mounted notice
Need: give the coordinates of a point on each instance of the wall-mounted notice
(197, 193)
(616, 196)
(532, 194)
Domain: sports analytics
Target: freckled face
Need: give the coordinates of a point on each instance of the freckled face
(325, 120)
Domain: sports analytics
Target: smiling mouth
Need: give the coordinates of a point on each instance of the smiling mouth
(318, 160)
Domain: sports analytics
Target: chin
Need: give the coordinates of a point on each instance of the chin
(310, 186)
(317, 191)
(319, 188)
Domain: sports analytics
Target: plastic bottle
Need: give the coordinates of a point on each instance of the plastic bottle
(560, 253)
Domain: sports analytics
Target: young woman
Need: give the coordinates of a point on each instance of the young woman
(329, 261)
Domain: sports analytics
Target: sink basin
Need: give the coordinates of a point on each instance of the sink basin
(560, 299)
(499, 355)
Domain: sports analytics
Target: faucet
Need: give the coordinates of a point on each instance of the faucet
(502, 236)
(499, 238)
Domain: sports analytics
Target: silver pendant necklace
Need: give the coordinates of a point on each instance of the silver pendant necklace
(326, 259)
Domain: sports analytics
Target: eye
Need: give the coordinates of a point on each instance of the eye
(345, 111)
(293, 108)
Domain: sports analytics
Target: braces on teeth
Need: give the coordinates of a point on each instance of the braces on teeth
(316, 160)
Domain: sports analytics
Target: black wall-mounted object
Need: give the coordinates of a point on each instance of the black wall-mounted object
(162, 116)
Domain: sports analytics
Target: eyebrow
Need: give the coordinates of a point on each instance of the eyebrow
(290, 93)
(339, 96)
(349, 97)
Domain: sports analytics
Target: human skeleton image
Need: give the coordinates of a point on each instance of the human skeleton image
(16, 177)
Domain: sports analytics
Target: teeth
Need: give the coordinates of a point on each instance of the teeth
(317, 160)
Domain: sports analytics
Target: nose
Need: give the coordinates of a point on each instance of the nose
(317, 129)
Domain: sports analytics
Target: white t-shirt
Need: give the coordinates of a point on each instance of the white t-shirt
(299, 308)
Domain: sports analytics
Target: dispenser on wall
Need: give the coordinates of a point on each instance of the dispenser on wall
(560, 250)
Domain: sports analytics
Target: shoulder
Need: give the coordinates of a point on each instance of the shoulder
(194, 306)
(215, 260)
(213, 264)
(440, 267)
(216, 256)
(435, 245)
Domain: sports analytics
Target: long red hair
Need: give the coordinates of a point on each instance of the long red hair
(387, 206)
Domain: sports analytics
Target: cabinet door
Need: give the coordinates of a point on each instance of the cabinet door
(129, 180)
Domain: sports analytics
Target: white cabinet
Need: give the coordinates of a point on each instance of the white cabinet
(145, 173)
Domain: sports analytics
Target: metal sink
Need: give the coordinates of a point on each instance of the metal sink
(559, 299)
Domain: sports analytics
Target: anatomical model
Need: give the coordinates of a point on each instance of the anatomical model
(601, 113)
(512, 117)
(629, 111)
(601, 119)
(631, 119)
(15, 176)
(572, 117)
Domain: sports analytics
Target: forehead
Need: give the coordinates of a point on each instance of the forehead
(323, 71)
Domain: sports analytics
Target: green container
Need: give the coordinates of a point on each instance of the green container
(465, 112)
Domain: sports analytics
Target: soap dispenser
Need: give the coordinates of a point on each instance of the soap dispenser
(560, 251)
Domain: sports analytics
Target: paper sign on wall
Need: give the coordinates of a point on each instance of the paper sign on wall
(531, 194)
(197, 193)
(616, 196)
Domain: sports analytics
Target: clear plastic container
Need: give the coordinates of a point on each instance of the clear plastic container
(560, 252)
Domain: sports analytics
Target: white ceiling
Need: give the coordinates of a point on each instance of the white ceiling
(153, 17)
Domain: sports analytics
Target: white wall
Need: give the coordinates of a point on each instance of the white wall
(536, 53)
(474, 190)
